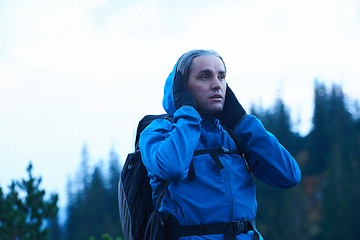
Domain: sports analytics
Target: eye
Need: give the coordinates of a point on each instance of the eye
(221, 77)
(204, 77)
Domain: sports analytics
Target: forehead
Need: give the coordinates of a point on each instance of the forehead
(207, 62)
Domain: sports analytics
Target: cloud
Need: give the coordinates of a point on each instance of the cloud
(75, 71)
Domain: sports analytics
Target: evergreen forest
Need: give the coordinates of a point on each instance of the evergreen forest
(323, 206)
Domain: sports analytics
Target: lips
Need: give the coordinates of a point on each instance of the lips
(216, 96)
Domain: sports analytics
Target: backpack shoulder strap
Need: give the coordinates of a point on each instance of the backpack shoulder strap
(238, 145)
(145, 121)
(163, 189)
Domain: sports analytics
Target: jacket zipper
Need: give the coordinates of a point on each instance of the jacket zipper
(229, 194)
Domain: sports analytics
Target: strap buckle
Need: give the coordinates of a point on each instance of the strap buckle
(237, 227)
(223, 150)
(240, 227)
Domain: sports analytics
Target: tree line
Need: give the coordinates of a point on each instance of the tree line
(323, 206)
(92, 208)
(325, 203)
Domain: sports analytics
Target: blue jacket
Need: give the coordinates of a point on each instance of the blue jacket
(215, 195)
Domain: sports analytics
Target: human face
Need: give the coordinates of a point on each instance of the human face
(207, 84)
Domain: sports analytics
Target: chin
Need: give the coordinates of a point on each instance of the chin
(218, 108)
(211, 108)
(214, 110)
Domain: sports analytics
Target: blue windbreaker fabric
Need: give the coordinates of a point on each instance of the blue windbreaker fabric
(215, 195)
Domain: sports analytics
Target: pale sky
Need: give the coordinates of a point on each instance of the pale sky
(86, 71)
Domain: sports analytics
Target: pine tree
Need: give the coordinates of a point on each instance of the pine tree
(319, 137)
(77, 190)
(26, 217)
(355, 180)
(338, 191)
(56, 231)
(93, 207)
(96, 205)
(285, 208)
(112, 201)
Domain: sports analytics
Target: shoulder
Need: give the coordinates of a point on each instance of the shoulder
(247, 120)
(158, 125)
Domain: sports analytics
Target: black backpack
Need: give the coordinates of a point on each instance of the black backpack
(136, 206)
(134, 190)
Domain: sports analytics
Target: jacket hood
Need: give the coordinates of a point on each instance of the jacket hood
(168, 100)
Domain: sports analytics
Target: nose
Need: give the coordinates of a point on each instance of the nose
(215, 83)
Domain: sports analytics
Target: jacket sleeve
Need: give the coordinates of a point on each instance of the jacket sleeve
(167, 148)
(268, 159)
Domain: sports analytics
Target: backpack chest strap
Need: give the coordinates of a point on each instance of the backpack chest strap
(214, 154)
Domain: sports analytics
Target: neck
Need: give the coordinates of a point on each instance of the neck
(208, 118)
